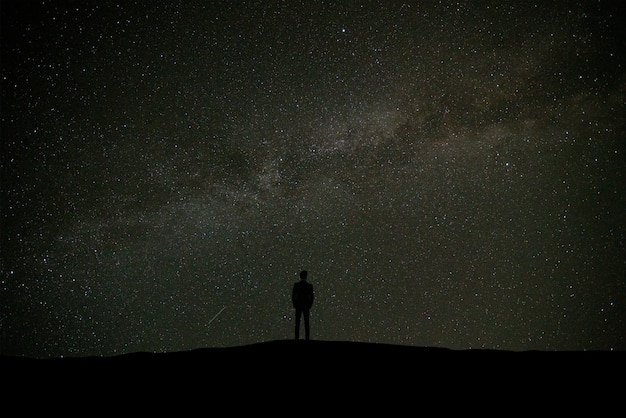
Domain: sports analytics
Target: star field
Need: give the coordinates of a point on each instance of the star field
(449, 173)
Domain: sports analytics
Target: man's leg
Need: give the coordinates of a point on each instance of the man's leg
(298, 315)
(307, 333)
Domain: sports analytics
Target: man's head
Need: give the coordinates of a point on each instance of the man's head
(303, 274)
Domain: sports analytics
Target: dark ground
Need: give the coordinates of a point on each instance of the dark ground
(316, 373)
(318, 358)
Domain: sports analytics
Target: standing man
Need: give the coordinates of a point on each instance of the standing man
(302, 299)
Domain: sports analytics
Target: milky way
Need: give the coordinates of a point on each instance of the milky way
(449, 174)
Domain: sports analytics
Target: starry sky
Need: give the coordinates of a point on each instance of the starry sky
(451, 174)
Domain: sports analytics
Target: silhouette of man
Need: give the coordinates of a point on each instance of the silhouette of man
(302, 299)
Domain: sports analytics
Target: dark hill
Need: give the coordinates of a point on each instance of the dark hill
(329, 367)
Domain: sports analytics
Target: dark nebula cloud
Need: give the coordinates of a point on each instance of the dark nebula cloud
(450, 174)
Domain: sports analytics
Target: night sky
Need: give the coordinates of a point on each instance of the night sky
(451, 174)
